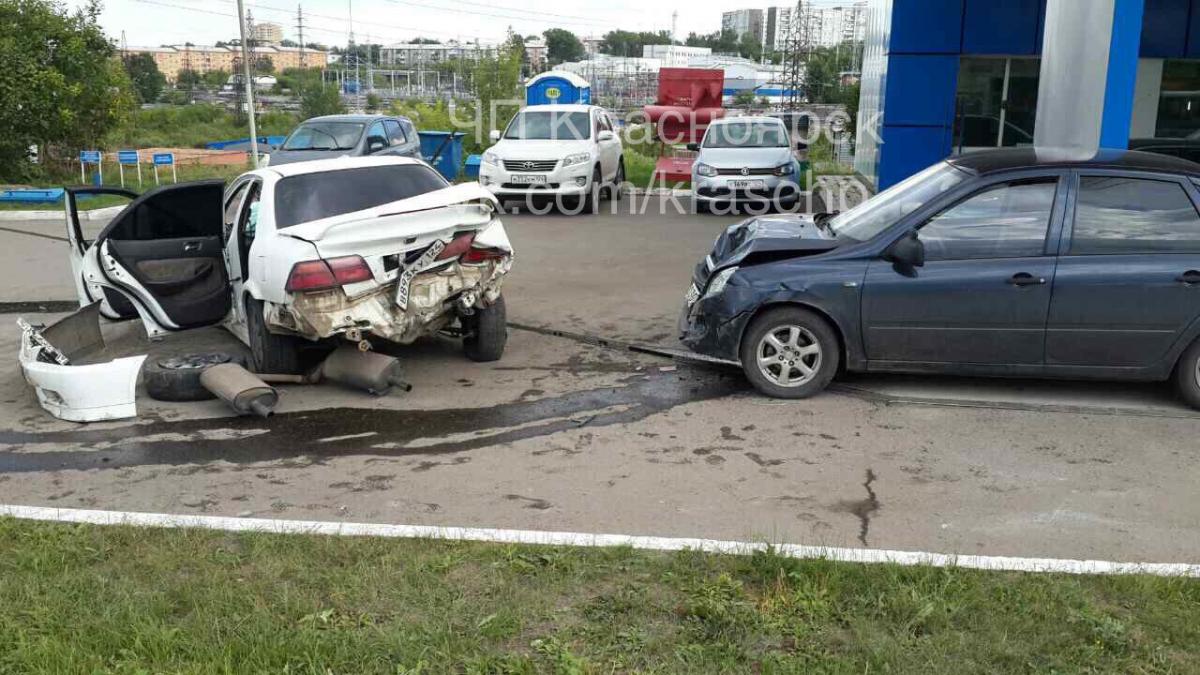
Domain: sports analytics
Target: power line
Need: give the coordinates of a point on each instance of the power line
(524, 16)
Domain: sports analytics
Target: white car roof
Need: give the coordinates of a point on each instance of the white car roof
(334, 164)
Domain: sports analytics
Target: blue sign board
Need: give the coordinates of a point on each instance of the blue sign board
(164, 158)
(127, 156)
(89, 156)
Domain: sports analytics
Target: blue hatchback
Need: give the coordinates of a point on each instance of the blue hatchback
(1022, 263)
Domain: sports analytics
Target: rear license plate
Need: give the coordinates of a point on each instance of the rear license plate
(747, 184)
(529, 180)
(692, 296)
(406, 277)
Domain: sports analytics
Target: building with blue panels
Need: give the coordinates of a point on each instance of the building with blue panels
(943, 77)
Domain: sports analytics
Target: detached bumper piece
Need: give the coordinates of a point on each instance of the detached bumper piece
(78, 393)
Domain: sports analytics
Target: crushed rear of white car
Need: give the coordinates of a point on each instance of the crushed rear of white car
(311, 253)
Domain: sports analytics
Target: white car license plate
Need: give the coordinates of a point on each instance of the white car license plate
(406, 277)
(747, 184)
(692, 296)
(529, 180)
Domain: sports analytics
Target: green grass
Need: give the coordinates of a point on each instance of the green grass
(191, 126)
(86, 599)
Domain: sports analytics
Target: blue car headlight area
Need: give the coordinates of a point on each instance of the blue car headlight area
(785, 169)
(716, 286)
(705, 170)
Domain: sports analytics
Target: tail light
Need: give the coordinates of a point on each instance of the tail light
(320, 275)
(482, 255)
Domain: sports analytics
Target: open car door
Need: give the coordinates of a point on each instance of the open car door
(114, 306)
(164, 255)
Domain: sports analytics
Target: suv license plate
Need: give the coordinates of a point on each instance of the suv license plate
(529, 180)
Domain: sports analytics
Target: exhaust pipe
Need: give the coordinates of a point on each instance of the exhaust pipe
(238, 387)
(373, 372)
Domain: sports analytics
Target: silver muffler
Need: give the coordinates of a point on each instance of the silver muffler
(373, 372)
(241, 389)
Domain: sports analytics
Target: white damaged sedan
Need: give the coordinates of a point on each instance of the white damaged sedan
(338, 249)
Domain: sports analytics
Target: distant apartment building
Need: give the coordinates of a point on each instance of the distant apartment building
(413, 55)
(743, 22)
(821, 26)
(778, 22)
(535, 52)
(831, 26)
(592, 45)
(675, 56)
(172, 60)
(267, 33)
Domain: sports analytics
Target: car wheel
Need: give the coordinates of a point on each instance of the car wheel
(1187, 375)
(790, 352)
(619, 181)
(486, 332)
(591, 202)
(270, 353)
(177, 378)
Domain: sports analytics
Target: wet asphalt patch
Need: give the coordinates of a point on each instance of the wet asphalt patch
(313, 436)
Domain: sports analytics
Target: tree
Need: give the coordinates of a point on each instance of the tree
(288, 43)
(61, 83)
(563, 46)
(147, 81)
(497, 80)
(216, 78)
(625, 43)
(373, 102)
(744, 98)
(188, 79)
(318, 101)
(424, 41)
(264, 64)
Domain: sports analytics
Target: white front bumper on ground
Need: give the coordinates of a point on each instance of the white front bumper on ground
(571, 180)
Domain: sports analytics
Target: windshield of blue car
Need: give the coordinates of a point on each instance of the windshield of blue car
(545, 125)
(325, 136)
(746, 135)
(875, 215)
(312, 196)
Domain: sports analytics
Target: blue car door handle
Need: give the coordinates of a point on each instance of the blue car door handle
(1026, 279)
(1190, 277)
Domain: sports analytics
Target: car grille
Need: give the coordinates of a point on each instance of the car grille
(749, 172)
(532, 165)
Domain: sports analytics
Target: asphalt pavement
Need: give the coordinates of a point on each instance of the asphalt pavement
(574, 432)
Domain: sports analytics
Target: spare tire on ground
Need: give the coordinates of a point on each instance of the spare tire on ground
(177, 377)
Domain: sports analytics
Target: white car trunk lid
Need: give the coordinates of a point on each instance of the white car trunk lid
(400, 226)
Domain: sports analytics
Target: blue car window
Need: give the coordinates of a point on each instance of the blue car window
(1115, 215)
(1009, 220)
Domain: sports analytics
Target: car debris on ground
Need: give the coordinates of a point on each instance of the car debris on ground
(54, 361)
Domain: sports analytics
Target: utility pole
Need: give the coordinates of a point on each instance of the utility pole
(246, 83)
(300, 32)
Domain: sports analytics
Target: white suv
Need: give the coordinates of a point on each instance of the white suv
(555, 151)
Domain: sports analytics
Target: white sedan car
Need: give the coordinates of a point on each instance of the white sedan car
(311, 252)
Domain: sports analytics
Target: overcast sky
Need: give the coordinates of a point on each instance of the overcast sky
(154, 22)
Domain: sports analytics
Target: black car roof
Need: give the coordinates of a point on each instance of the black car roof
(992, 161)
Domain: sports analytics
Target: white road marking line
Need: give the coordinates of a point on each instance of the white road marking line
(540, 538)
(347, 437)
